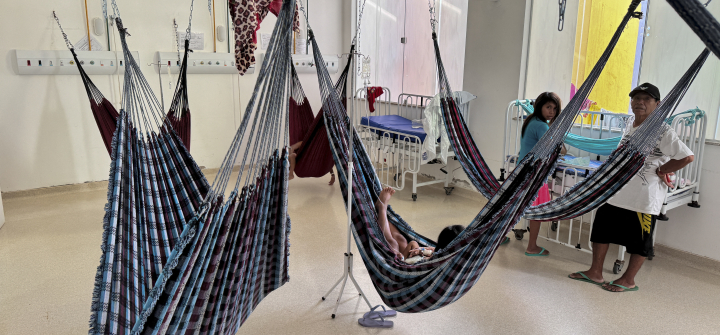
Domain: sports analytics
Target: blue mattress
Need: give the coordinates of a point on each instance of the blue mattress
(394, 123)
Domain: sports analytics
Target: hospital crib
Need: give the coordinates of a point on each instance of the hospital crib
(689, 125)
(394, 140)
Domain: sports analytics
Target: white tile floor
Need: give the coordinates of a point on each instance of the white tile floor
(49, 250)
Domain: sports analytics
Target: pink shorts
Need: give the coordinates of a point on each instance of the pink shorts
(543, 195)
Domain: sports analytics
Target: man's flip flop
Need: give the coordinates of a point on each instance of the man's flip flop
(539, 254)
(373, 314)
(585, 279)
(625, 289)
(505, 241)
(375, 323)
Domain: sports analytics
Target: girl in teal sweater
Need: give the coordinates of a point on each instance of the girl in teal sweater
(547, 107)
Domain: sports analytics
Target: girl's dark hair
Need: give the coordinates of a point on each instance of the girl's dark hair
(448, 234)
(541, 100)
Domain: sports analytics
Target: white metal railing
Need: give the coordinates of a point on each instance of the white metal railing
(395, 154)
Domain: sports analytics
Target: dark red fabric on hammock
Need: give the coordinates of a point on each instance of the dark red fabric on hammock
(314, 158)
(301, 118)
(105, 116)
(181, 125)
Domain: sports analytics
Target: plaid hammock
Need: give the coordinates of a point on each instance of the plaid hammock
(234, 251)
(154, 189)
(622, 164)
(452, 271)
(106, 116)
(314, 158)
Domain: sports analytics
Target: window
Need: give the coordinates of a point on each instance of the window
(410, 67)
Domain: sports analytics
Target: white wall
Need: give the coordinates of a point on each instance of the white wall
(696, 230)
(48, 136)
(550, 55)
(492, 70)
(669, 50)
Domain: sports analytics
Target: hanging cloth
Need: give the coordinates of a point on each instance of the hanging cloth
(452, 271)
(247, 16)
(434, 127)
(373, 93)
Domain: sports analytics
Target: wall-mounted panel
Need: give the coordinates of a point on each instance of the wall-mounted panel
(61, 62)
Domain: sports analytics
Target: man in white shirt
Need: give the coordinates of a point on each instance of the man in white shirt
(628, 218)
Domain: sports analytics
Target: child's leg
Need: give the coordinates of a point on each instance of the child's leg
(291, 158)
(381, 206)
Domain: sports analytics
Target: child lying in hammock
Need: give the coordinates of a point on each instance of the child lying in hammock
(397, 241)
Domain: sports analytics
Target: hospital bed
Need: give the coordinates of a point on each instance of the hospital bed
(689, 125)
(395, 143)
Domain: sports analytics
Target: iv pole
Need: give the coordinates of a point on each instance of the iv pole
(348, 264)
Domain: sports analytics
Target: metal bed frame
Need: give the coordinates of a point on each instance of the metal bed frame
(396, 154)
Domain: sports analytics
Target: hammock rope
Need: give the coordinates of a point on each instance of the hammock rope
(106, 115)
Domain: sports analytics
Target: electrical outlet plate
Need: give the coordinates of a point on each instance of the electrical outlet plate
(61, 62)
(306, 63)
(202, 63)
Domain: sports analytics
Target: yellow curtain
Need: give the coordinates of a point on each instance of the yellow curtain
(597, 21)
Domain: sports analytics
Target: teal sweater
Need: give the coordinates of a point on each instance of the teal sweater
(534, 131)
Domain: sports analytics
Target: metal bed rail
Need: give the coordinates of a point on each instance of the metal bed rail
(686, 187)
(396, 154)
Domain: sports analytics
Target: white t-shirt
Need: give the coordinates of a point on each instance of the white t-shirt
(645, 192)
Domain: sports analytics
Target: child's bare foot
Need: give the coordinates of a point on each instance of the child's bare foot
(385, 196)
(332, 178)
(292, 165)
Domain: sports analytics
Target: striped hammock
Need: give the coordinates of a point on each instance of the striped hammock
(234, 250)
(452, 271)
(154, 189)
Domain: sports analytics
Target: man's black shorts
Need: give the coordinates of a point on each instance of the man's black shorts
(621, 226)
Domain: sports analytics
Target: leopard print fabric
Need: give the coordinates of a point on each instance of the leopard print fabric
(247, 15)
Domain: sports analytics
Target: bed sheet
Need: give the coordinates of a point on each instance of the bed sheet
(580, 171)
(560, 168)
(394, 123)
